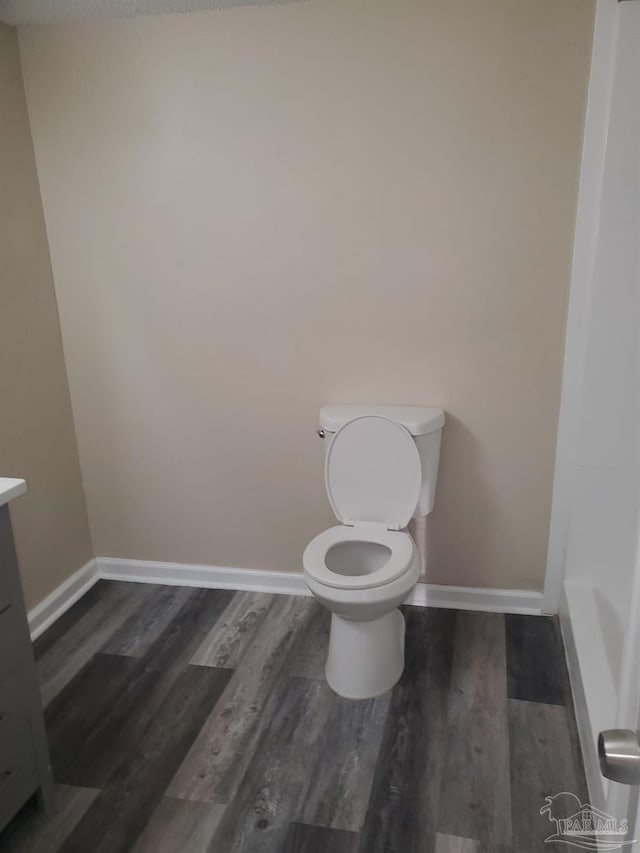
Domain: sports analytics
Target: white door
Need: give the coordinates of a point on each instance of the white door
(602, 566)
(613, 376)
(619, 256)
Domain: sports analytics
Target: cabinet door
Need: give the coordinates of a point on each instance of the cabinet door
(18, 765)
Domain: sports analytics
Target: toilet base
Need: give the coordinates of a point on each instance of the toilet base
(365, 658)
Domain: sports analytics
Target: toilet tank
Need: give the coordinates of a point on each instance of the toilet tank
(423, 422)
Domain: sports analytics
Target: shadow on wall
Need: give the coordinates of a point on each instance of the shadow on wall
(460, 524)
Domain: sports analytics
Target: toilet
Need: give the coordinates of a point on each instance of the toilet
(381, 467)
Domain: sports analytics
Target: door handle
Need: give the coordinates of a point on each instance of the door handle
(619, 754)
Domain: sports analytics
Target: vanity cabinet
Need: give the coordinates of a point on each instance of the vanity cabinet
(24, 756)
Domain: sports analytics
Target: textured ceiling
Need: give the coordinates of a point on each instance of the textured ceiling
(18, 12)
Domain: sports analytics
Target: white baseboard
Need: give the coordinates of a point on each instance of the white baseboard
(257, 580)
(213, 577)
(62, 598)
(477, 598)
(292, 583)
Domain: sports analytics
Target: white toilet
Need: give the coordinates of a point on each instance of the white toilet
(381, 468)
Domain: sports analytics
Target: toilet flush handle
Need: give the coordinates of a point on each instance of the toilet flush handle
(320, 433)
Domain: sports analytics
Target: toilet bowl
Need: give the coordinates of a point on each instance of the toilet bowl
(362, 574)
(363, 569)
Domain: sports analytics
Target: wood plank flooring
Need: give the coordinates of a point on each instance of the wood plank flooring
(198, 721)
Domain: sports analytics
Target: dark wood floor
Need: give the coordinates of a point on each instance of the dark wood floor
(187, 720)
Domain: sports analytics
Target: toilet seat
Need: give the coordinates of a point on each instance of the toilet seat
(400, 559)
(373, 476)
(373, 473)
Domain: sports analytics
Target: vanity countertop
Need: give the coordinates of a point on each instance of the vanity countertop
(11, 487)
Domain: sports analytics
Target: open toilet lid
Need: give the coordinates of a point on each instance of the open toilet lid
(373, 472)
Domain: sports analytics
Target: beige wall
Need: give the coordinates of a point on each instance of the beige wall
(37, 438)
(258, 211)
